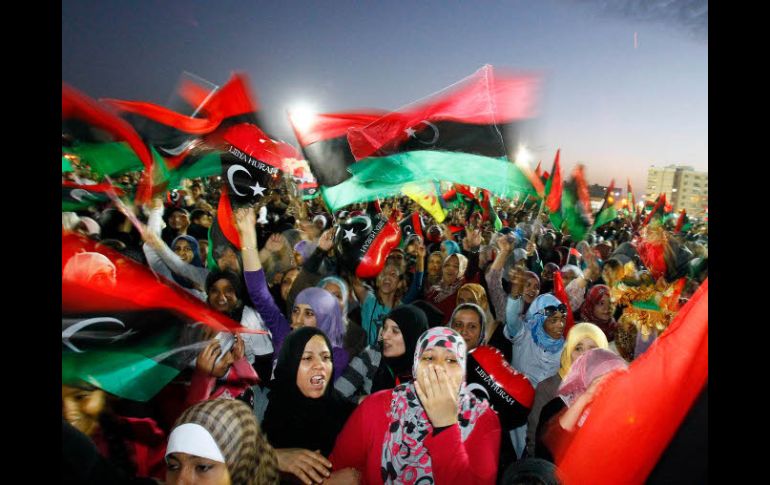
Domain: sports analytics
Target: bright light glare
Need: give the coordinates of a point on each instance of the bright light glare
(302, 116)
(523, 155)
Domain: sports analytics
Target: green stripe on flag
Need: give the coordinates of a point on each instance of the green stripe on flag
(383, 177)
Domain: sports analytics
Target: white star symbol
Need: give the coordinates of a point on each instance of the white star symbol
(349, 234)
(410, 132)
(258, 189)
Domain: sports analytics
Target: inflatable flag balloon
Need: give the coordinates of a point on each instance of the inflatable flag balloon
(364, 242)
(491, 377)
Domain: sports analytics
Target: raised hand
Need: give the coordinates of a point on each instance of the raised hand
(208, 357)
(503, 243)
(275, 243)
(327, 240)
(438, 395)
(309, 466)
(245, 219)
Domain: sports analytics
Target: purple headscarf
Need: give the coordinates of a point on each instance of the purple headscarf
(327, 312)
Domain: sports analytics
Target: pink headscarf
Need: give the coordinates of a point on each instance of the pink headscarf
(587, 367)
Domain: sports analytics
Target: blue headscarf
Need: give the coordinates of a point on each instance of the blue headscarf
(451, 247)
(196, 260)
(536, 320)
(343, 289)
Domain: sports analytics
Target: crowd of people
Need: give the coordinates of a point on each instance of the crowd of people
(357, 380)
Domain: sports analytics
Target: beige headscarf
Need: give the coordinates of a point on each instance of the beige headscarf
(249, 457)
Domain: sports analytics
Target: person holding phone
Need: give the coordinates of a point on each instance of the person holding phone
(222, 371)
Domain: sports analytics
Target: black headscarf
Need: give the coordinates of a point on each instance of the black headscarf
(412, 322)
(235, 280)
(293, 420)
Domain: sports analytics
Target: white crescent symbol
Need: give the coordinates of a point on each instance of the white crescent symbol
(70, 331)
(78, 194)
(179, 149)
(367, 219)
(475, 386)
(230, 172)
(435, 133)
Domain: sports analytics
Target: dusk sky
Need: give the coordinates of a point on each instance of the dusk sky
(626, 82)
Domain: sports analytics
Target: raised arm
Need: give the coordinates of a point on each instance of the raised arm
(494, 277)
(256, 285)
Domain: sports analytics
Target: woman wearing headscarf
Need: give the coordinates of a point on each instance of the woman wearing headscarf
(444, 294)
(354, 340)
(181, 262)
(581, 338)
(525, 287)
(449, 248)
(389, 363)
(576, 392)
(300, 411)
(313, 307)
(219, 442)
(469, 320)
(476, 294)
(429, 430)
(597, 309)
(90, 268)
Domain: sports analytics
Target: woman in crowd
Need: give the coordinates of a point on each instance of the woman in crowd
(476, 294)
(313, 307)
(219, 442)
(469, 320)
(300, 411)
(561, 417)
(375, 305)
(597, 309)
(389, 363)
(581, 338)
(430, 430)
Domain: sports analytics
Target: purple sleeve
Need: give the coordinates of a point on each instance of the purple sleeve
(266, 307)
(340, 360)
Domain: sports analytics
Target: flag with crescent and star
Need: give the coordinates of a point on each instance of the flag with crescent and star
(131, 338)
(363, 243)
(252, 164)
(477, 115)
(76, 197)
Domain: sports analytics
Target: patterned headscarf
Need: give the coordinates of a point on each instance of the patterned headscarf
(249, 457)
(405, 459)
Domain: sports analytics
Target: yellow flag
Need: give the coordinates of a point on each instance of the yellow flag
(426, 195)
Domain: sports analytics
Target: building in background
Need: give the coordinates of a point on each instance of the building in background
(596, 196)
(684, 187)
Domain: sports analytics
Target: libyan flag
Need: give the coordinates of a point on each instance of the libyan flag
(75, 197)
(576, 206)
(384, 177)
(251, 165)
(324, 142)
(131, 339)
(474, 115)
(85, 120)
